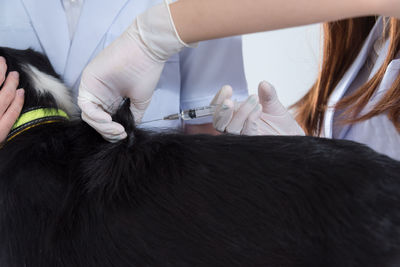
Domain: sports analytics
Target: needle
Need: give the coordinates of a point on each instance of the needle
(151, 121)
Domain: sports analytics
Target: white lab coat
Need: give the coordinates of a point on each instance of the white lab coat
(378, 132)
(190, 78)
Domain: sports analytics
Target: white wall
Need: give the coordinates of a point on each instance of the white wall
(288, 59)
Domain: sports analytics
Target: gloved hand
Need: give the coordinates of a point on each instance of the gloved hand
(233, 117)
(129, 68)
(11, 100)
(262, 115)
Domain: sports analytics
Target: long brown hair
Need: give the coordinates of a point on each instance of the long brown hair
(343, 41)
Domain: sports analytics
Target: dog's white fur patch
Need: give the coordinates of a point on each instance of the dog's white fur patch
(45, 83)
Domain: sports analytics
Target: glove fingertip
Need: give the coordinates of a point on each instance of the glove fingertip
(223, 115)
(227, 89)
(223, 94)
(266, 92)
(115, 139)
(118, 129)
(99, 116)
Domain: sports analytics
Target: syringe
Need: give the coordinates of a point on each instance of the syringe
(189, 114)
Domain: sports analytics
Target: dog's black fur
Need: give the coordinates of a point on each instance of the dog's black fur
(69, 198)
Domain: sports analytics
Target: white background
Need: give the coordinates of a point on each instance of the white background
(288, 59)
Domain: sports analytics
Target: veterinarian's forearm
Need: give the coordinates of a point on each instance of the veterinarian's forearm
(209, 19)
(201, 129)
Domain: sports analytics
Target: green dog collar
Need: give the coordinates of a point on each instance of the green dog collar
(35, 117)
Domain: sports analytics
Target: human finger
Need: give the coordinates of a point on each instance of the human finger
(269, 99)
(7, 93)
(223, 115)
(12, 114)
(240, 117)
(225, 93)
(110, 131)
(101, 121)
(3, 70)
(251, 126)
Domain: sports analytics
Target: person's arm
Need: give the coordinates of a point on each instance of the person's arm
(209, 19)
(207, 128)
(131, 66)
(11, 100)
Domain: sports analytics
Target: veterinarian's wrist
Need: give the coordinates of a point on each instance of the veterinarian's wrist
(390, 8)
(156, 33)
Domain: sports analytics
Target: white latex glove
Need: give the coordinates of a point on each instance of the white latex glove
(262, 115)
(233, 117)
(129, 68)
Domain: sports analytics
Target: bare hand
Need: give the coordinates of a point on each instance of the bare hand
(11, 99)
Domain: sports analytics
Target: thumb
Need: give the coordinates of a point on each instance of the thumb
(138, 109)
(269, 100)
(224, 93)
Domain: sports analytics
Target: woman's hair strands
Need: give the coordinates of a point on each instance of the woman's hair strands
(343, 41)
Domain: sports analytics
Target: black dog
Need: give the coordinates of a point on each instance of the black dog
(69, 198)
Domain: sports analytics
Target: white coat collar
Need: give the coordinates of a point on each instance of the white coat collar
(350, 75)
(96, 18)
(50, 24)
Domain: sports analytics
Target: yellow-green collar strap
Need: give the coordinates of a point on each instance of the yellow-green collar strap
(36, 117)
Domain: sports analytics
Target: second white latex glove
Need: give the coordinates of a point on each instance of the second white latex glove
(129, 68)
(233, 117)
(262, 115)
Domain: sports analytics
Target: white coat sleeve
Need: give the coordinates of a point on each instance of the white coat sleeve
(204, 70)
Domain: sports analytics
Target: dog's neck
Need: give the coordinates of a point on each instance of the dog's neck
(35, 117)
(44, 83)
(42, 111)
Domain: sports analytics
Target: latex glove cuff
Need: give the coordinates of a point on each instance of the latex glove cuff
(158, 33)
